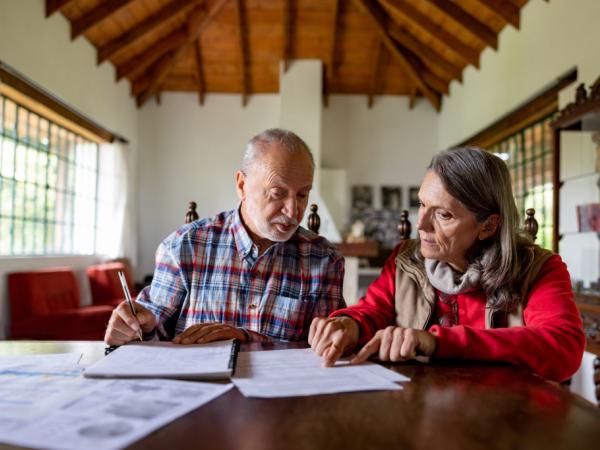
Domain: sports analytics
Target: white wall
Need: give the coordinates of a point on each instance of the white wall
(42, 50)
(191, 152)
(554, 37)
(389, 144)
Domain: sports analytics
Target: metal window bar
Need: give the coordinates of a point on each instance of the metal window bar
(37, 215)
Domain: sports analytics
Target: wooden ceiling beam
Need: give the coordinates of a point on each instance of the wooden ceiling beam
(377, 63)
(95, 16)
(377, 17)
(199, 71)
(412, 98)
(467, 22)
(242, 34)
(429, 57)
(144, 28)
(136, 66)
(331, 58)
(503, 9)
(55, 5)
(198, 21)
(288, 24)
(412, 16)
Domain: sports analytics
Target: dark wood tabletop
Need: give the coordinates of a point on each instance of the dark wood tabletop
(446, 405)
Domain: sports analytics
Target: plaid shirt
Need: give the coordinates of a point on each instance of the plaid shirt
(210, 271)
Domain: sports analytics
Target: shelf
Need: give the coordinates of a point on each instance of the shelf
(580, 177)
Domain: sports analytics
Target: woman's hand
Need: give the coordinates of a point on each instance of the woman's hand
(202, 333)
(331, 338)
(397, 344)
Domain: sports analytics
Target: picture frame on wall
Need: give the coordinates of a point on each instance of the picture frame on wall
(391, 197)
(362, 197)
(413, 197)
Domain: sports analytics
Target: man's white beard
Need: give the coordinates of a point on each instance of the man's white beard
(266, 229)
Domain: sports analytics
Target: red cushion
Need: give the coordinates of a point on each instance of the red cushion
(105, 285)
(87, 323)
(42, 292)
(45, 305)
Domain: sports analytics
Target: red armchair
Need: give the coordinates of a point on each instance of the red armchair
(45, 304)
(105, 285)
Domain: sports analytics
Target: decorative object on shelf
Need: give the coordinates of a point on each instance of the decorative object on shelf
(314, 221)
(380, 225)
(584, 103)
(391, 197)
(588, 217)
(357, 232)
(191, 214)
(413, 197)
(362, 197)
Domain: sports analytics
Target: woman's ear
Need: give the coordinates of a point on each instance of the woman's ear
(490, 227)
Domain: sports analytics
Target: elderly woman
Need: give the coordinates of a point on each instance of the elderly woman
(472, 286)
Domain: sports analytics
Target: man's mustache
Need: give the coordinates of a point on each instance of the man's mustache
(282, 220)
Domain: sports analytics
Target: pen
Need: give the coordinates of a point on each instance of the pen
(128, 298)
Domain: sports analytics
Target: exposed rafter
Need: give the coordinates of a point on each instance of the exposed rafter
(138, 65)
(96, 15)
(198, 21)
(199, 71)
(242, 32)
(504, 10)
(288, 24)
(410, 15)
(331, 58)
(429, 56)
(413, 97)
(467, 22)
(144, 28)
(378, 55)
(377, 18)
(55, 5)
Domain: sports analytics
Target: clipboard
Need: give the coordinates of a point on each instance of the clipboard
(155, 359)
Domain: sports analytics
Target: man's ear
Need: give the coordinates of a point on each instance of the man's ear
(490, 226)
(240, 184)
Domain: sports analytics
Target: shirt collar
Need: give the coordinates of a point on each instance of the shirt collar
(243, 241)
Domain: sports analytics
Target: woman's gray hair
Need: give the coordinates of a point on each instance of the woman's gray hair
(262, 141)
(481, 182)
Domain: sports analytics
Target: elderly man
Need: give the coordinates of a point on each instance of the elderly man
(251, 273)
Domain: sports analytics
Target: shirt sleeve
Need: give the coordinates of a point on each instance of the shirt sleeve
(170, 285)
(376, 309)
(331, 295)
(550, 344)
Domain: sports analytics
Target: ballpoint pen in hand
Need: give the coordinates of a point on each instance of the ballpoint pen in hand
(128, 298)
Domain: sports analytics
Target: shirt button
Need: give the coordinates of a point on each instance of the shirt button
(252, 306)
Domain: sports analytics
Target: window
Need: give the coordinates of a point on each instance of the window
(529, 156)
(48, 185)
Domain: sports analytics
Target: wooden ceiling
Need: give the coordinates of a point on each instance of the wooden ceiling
(371, 47)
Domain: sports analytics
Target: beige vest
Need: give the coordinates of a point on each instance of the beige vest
(415, 298)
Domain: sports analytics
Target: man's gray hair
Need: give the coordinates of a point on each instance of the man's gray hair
(262, 141)
(481, 182)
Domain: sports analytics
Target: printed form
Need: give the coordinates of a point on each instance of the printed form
(298, 372)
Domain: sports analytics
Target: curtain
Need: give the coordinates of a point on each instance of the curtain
(116, 228)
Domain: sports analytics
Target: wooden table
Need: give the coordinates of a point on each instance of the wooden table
(446, 405)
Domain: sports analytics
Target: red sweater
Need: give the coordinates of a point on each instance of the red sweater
(550, 344)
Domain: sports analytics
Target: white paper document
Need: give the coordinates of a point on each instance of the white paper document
(72, 412)
(41, 364)
(291, 373)
(167, 360)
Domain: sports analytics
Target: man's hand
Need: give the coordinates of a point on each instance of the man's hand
(397, 344)
(333, 337)
(123, 326)
(202, 333)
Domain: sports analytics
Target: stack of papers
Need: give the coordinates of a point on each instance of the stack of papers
(290, 373)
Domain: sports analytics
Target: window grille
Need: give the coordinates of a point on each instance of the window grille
(48, 185)
(529, 156)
